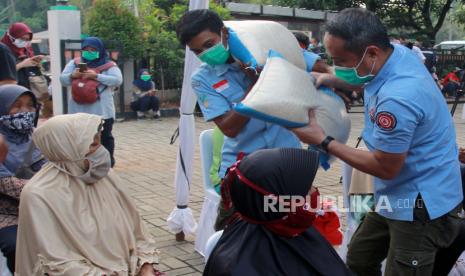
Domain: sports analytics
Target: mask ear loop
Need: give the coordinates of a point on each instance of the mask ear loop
(228, 180)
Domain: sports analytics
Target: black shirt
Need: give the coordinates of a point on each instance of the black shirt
(7, 64)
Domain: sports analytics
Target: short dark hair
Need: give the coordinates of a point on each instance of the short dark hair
(359, 28)
(196, 21)
(302, 38)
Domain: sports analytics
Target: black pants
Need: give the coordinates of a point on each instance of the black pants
(146, 103)
(8, 244)
(107, 139)
(410, 246)
(446, 257)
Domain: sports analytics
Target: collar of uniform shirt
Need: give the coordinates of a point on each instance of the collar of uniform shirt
(223, 68)
(385, 71)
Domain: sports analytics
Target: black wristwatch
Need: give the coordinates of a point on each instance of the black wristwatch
(324, 145)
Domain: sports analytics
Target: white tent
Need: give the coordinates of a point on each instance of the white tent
(181, 218)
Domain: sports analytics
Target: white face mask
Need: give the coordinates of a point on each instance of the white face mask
(21, 43)
(99, 166)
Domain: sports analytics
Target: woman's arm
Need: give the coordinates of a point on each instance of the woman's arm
(12, 186)
(65, 77)
(112, 78)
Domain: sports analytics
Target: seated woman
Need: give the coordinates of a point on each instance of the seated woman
(143, 96)
(76, 217)
(272, 241)
(17, 118)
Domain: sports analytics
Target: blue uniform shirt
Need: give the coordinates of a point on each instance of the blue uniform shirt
(310, 59)
(406, 112)
(218, 88)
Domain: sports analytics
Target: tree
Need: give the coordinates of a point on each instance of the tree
(419, 18)
(33, 13)
(422, 18)
(117, 26)
(164, 53)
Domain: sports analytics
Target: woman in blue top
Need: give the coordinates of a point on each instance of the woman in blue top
(95, 55)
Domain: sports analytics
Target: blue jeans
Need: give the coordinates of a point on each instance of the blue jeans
(146, 103)
(8, 244)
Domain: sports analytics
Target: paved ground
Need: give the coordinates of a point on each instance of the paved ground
(146, 162)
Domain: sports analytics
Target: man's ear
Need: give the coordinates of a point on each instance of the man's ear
(373, 52)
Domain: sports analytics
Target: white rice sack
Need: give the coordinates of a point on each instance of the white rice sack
(250, 41)
(283, 95)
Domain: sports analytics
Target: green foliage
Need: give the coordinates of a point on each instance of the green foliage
(422, 18)
(164, 53)
(117, 26)
(33, 13)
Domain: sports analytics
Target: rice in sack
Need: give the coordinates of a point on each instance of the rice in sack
(283, 95)
(250, 41)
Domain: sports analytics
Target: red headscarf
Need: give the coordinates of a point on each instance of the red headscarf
(17, 30)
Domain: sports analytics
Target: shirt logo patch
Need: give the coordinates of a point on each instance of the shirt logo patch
(386, 120)
(221, 86)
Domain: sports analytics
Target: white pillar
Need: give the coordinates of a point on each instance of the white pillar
(62, 24)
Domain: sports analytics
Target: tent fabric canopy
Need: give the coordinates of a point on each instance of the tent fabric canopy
(181, 218)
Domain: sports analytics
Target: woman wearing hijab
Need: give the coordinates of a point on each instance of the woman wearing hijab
(263, 239)
(94, 56)
(143, 96)
(17, 118)
(76, 218)
(18, 40)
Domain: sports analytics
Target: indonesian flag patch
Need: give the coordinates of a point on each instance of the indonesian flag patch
(221, 86)
(386, 120)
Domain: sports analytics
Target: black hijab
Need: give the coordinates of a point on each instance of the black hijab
(251, 249)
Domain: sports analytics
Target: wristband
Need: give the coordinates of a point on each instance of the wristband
(324, 145)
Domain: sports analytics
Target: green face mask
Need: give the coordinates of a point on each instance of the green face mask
(351, 76)
(145, 77)
(90, 55)
(215, 55)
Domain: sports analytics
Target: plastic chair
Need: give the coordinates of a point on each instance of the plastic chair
(211, 199)
(211, 243)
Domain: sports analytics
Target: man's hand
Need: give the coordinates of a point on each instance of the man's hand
(462, 155)
(325, 79)
(330, 80)
(250, 72)
(311, 134)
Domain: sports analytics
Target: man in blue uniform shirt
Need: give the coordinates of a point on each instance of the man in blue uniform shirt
(413, 153)
(313, 61)
(219, 83)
